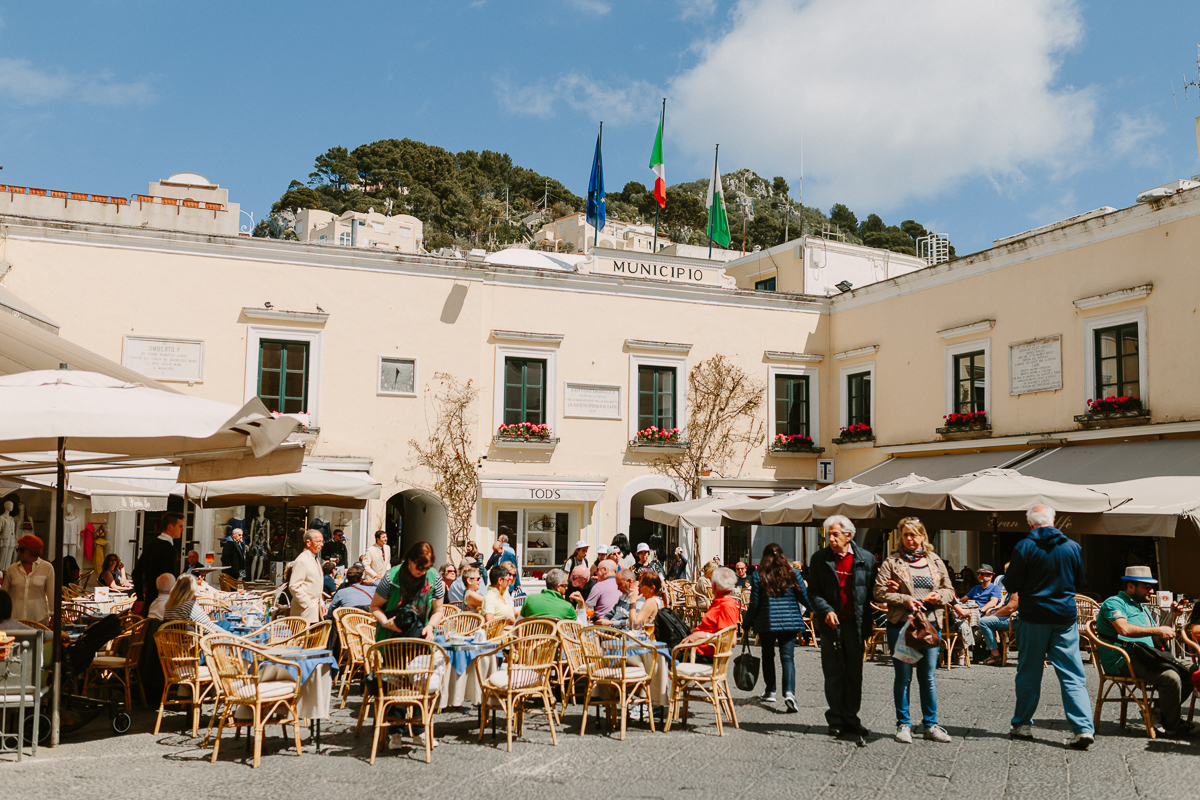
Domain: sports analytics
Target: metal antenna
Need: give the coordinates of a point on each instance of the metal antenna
(1186, 83)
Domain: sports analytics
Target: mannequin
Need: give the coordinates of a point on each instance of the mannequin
(23, 520)
(72, 525)
(99, 546)
(238, 520)
(8, 535)
(260, 540)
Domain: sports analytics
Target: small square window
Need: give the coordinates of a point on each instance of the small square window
(397, 376)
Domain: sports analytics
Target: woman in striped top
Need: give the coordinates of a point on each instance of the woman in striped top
(182, 606)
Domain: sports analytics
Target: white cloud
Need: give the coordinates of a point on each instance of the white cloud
(896, 100)
(25, 83)
(697, 9)
(597, 7)
(1132, 140)
(616, 104)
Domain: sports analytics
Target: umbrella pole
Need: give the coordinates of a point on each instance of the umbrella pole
(60, 498)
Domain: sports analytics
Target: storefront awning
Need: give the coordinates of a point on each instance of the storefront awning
(1111, 462)
(940, 467)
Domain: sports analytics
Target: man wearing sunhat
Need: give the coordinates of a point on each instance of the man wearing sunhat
(1123, 622)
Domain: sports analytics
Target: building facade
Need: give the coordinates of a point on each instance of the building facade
(400, 232)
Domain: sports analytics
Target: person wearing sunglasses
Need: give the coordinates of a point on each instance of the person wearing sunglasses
(30, 582)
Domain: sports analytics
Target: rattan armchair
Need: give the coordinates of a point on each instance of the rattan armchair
(405, 673)
(494, 628)
(280, 630)
(464, 623)
(710, 681)
(237, 667)
(529, 664)
(607, 653)
(178, 645)
(571, 665)
(357, 633)
(1131, 689)
(1088, 610)
(534, 626)
(119, 664)
(877, 642)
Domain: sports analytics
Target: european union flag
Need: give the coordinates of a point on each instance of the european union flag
(595, 206)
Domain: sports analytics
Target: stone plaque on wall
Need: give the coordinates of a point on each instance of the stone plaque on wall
(165, 359)
(592, 401)
(1035, 366)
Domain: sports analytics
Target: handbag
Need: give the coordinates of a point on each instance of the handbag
(921, 634)
(745, 669)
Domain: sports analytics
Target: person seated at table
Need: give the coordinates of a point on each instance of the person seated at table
(182, 605)
(498, 601)
(472, 597)
(193, 562)
(1124, 622)
(283, 595)
(550, 601)
(449, 574)
(743, 580)
(581, 585)
(648, 602)
(164, 584)
(109, 575)
(353, 593)
(71, 571)
(606, 592)
(456, 586)
(618, 615)
(985, 594)
(706, 573)
(328, 584)
(7, 623)
(722, 612)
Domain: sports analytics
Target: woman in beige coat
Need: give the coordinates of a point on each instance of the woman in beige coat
(907, 579)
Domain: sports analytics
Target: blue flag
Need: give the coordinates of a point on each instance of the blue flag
(595, 203)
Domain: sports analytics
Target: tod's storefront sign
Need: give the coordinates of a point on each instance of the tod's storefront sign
(667, 269)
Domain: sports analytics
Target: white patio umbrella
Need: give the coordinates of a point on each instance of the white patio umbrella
(705, 512)
(799, 510)
(308, 487)
(999, 490)
(86, 419)
(752, 510)
(864, 503)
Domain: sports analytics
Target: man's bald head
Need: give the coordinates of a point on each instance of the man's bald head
(580, 576)
(165, 583)
(606, 569)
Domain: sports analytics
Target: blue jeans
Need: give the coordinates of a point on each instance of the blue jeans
(926, 668)
(1058, 644)
(786, 641)
(990, 626)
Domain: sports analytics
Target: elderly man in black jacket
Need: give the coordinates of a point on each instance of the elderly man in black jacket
(841, 577)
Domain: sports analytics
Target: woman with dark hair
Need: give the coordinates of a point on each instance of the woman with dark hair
(626, 558)
(414, 584)
(777, 595)
(110, 576)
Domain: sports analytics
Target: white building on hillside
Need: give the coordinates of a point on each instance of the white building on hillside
(815, 265)
(400, 232)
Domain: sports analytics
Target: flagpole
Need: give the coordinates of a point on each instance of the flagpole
(661, 122)
(714, 191)
(596, 225)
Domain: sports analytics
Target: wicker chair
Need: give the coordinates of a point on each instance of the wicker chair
(1088, 610)
(449, 611)
(710, 680)
(120, 664)
(463, 623)
(317, 636)
(606, 653)
(238, 669)
(357, 634)
(951, 639)
(1192, 649)
(529, 663)
(406, 673)
(877, 643)
(280, 630)
(178, 645)
(571, 665)
(534, 626)
(494, 628)
(1131, 688)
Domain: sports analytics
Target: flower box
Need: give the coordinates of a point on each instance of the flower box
(1113, 405)
(653, 435)
(665, 445)
(524, 431)
(858, 432)
(969, 419)
(783, 444)
(1114, 419)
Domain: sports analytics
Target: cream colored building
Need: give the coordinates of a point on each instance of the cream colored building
(401, 232)
(352, 339)
(575, 230)
(815, 265)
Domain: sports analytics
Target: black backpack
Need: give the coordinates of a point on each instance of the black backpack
(669, 628)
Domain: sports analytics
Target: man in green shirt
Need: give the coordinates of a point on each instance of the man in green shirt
(550, 602)
(1124, 619)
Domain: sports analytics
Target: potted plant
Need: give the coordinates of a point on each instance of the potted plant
(793, 443)
(858, 432)
(1114, 405)
(967, 425)
(524, 431)
(653, 435)
(966, 419)
(1109, 412)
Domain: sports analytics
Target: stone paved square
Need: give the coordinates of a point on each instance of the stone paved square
(773, 755)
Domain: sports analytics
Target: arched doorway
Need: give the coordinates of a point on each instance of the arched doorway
(663, 539)
(415, 515)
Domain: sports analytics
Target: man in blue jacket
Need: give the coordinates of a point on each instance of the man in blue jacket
(1045, 572)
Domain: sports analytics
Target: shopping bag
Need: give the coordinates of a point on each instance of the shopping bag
(745, 669)
(904, 651)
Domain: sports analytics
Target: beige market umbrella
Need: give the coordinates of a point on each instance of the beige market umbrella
(864, 503)
(308, 487)
(999, 490)
(752, 510)
(705, 512)
(798, 509)
(84, 419)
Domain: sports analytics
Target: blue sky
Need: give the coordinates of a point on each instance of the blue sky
(977, 119)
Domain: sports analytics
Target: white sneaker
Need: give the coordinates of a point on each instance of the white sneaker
(1081, 741)
(395, 741)
(789, 701)
(767, 697)
(419, 740)
(904, 734)
(1021, 732)
(936, 733)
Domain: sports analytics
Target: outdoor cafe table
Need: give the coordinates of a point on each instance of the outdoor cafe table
(644, 656)
(461, 684)
(315, 668)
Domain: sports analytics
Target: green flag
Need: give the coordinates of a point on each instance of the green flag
(718, 222)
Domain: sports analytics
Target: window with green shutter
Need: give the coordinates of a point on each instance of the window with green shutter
(283, 376)
(791, 405)
(970, 381)
(858, 399)
(524, 391)
(1117, 367)
(656, 398)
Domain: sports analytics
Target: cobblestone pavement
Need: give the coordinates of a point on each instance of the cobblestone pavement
(773, 755)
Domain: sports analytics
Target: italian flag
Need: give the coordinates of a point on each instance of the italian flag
(656, 164)
(718, 222)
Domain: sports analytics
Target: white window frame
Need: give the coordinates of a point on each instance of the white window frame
(379, 390)
(953, 350)
(844, 402)
(680, 364)
(1090, 325)
(550, 355)
(254, 336)
(814, 398)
